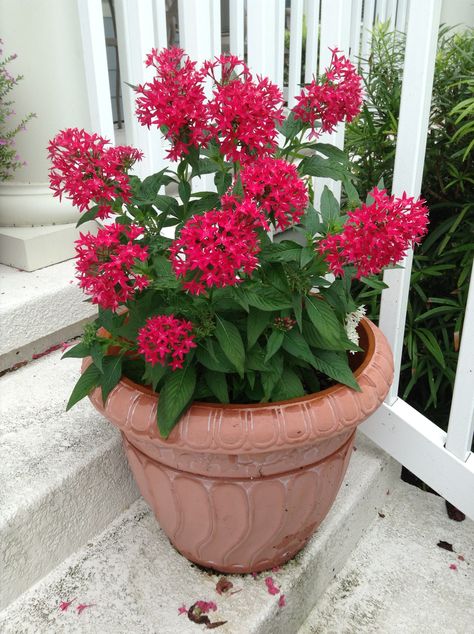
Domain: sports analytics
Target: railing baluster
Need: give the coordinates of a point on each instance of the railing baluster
(312, 40)
(409, 159)
(262, 50)
(136, 38)
(95, 63)
(236, 27)
(367, 26)
(356, 19)
(296, 42)
(159, 19)
(461, 417)
(401, 23)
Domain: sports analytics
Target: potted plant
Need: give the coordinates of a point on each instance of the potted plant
(236, 366)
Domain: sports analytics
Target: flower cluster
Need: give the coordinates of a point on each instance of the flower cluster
(174, 101)
(275, 186)
(376, 235)
(244, 111)
(338, 98)
(88, 172)
(351, 322)
(166, 339)
(215, 249)
(105, 261)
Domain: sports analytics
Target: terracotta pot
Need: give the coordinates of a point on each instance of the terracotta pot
(241, 488)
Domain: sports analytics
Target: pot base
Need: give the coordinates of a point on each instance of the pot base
(237, 525)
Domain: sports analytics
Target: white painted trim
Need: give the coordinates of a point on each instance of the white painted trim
(418, 444)
(95, 66)
(461, 417)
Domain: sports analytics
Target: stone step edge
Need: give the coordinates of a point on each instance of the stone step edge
(311, 571)
(39, 310)
(59, 522)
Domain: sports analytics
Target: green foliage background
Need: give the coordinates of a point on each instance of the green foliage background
(442, 263)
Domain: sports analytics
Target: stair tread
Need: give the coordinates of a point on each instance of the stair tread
(137, 581)
(398, 579)
(56, 468)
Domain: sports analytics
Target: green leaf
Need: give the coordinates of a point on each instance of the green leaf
(331, 152)
(431, 345)
(272, 376)
(204, 166)
(204, 203)
(97, 354)
(217, 383)
(291, 126)
(175, 397)
(79, 351)
(213, 358)
(87, 216)
(153, 374)
(222, 182)
(257, 321)
(268, 299)
(168, 204)
(325, 321)
(323, 168)
(336, 366)
(255, 359)
(295, 344)
(88, 380)
(311, 221)
(298, 310)
(329, 206)
(231, 343)
(307, 254)
(274, 343)
(284, 251)
(289, 386)
(184, 191)
(112, 373)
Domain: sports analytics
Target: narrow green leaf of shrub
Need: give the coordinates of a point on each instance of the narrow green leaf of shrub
(88, 380)
(431, 345)
(231, 343)
(112, 373)
(175, 396)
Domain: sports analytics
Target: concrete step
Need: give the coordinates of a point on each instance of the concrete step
(39, 310)
(137, 581)
(398, 580)
(63, 475)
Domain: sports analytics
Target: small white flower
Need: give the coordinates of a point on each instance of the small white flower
(351, 323)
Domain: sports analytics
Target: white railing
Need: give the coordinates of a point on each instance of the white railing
(257, 29)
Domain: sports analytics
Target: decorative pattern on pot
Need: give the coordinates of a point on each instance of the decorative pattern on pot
(241, 488)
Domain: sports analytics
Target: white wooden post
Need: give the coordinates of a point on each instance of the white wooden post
(356, 19)
(95, 63)
(265, 38)
(367, 26)
(312, 40)
(409, 160)
(461, 417)
(296, 39)
(236, 27)
(135, 33)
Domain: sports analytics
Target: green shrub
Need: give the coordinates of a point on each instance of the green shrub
(442, 264)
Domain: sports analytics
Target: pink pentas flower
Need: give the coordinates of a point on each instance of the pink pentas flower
(243, 111)
(206, 606)
(105, 261)
(174, 101)
(338, 97)
(182, 610)
(277, 189)
(376, 235)
(166, 339)
(65, 605)
(271, 587)
(82, 606)
(215, 249)
(86, 171)
(282, 601)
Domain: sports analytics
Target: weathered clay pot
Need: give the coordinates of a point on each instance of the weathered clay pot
(241, 488)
